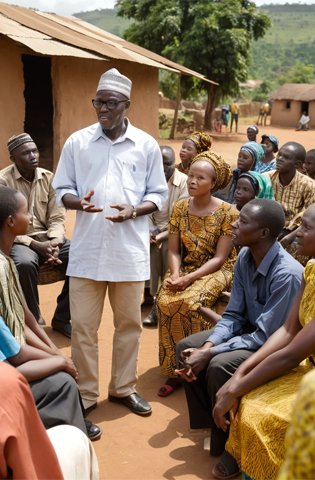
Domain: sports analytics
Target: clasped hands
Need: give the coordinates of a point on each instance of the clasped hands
(175, 283)
(125, 211)
(70, 367)
(49, 250)
(193, 361)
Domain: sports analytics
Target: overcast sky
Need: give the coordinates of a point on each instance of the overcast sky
(68, 7)
(63, 7)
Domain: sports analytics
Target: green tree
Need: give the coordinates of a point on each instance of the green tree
(210, 36)
(299, 73)
(262, 92)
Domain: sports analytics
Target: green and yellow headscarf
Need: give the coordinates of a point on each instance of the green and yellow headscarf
(261, 184)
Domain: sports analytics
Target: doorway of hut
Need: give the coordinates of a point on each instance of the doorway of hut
(304, 107)
(39, 105)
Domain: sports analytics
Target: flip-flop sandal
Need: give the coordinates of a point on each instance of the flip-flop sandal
(226, 468)
(165, 390)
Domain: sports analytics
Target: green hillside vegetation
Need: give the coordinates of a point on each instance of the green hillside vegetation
(105, 19)
(291, 39)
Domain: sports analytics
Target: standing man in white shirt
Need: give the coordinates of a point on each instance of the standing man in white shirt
(112, 174)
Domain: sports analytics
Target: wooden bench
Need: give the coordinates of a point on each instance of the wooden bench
(49, 274)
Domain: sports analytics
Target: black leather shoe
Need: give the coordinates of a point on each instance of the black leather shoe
(63, 328)
(151, 319)
(134, 402)
(94, 432)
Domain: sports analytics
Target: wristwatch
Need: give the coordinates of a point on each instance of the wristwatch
(134, 213)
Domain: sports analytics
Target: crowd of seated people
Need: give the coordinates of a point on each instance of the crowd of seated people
(276, 239)
(249, 231)
(263, 388)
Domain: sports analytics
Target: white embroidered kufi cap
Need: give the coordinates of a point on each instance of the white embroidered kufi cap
(114, 81)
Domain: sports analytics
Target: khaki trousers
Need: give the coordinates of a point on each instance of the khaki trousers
(86, 305)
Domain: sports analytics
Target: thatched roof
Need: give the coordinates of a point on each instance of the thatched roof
(303, 92)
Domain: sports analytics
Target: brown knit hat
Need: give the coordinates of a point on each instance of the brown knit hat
(18, 140)
(222, 169)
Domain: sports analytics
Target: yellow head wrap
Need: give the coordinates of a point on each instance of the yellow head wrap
(222, 169)
(201, 140)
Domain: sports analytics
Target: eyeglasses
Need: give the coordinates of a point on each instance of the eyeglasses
(110, 104)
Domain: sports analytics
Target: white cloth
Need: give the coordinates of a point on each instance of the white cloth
(128, 170)
(75, 453)
(304, 119)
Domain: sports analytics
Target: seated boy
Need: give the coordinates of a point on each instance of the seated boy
(54, 390)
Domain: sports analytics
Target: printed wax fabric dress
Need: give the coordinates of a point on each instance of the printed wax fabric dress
(299, 459)
(177, 311)
(257, 434)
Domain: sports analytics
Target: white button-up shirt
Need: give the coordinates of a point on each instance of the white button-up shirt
(128, 170)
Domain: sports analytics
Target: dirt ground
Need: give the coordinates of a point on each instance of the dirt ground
(161, 446)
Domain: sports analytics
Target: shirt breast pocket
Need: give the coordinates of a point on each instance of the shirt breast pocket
(133, 178)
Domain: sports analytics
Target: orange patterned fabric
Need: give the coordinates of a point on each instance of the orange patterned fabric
(177, 311)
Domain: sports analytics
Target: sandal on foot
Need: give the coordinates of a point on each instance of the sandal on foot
(169, 386)
(226, 468)
(165, 390)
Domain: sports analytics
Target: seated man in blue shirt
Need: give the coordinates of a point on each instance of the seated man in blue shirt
(266, 280)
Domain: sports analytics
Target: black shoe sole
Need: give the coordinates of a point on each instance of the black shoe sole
(96, 437)
(113, 399)
(149, 324)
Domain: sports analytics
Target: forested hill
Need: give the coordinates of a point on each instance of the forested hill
(105, 19)
(290, 39)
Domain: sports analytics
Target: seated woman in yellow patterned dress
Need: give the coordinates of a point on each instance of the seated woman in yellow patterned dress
(256, 439)
(299, 460)
(201, 258)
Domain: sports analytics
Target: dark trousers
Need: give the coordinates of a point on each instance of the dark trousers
(234, 118)
(201, 393)
(58, 401)
(27, 263)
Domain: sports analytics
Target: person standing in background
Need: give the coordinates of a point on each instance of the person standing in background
(235, 110)
(177, 189)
